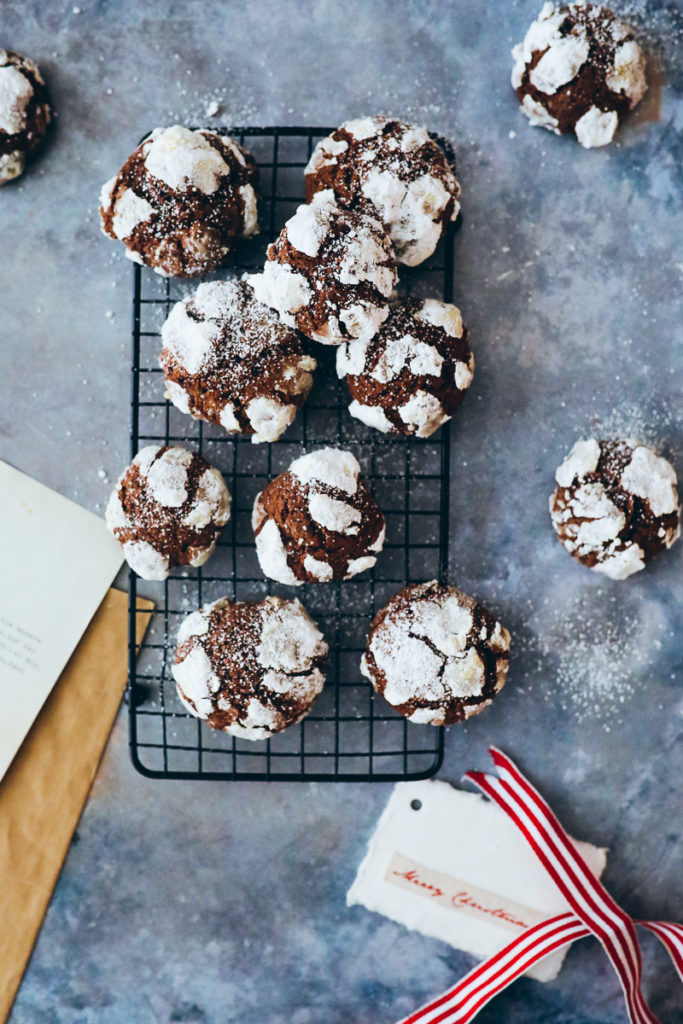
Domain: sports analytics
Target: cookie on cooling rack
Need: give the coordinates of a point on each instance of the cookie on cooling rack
(615, 506)
(24, 113)
(317, 521)
(229, 360)
(436, 655)
(330, 273)
(250, 669)
(579, 69)
(412, 376)
(167, 509)
(395, 171)
(182, 201)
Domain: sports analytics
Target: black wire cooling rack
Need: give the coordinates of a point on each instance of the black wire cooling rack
(351, 733)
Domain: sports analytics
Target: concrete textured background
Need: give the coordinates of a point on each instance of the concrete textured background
(203, 903)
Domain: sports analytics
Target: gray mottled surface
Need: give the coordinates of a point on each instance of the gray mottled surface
(211, 903)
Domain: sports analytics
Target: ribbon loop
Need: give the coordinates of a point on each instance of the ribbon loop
(593, 912)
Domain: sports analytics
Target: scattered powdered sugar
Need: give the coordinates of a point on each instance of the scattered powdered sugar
(592, 665)
(330, 466)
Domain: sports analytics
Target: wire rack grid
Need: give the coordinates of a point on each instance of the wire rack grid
(351, 734)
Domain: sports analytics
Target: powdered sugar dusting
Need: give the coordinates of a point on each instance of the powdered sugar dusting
(290, 640)
(330, 466)
(15, 93)
(593, 666)
(167, 477)
(182, 159)
(333, 514)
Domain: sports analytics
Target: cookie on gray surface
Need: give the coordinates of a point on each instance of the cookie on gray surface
(228, 359)
(182, 201)
(317, 521)
(24, 113)
(395, 172)
(579, 69)
(330, 273)
(412, 376)
(250, 669)
(615, 505)
(436, 655)
(168, 509)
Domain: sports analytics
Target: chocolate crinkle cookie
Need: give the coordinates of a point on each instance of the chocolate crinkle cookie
(167, 509)
(250, 669)
(229, 360)
(395, 171)
(24, 113)
(182, 201)
(615, 505)
(317, 521)
(330, 273)
(579, 69)
(411, 377)
(436, 655)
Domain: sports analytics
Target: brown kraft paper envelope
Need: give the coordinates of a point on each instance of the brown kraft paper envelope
(44, 791)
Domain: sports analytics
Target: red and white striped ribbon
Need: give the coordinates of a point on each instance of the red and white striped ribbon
(593, 912)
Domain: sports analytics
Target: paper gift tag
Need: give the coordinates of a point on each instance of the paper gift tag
(451, 865)
(58, 561)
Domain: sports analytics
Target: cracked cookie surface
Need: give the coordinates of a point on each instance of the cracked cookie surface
(250, 669)
(436, 655)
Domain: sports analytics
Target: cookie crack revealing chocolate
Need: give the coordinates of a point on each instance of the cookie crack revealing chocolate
(329, 274)
(228, 359)
(394, 171)
(168, 509)
(24, 113)
(615, 506)
(182, 201)
(435, 655)
(412, 376)
(579, 69)
(317, 521)
(250, 669)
